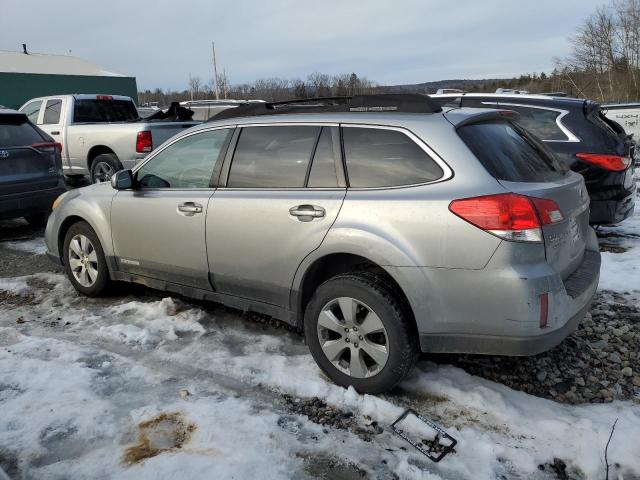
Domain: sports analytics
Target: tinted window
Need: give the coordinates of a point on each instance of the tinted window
(323, 168)
(31, 110)
(539, 122)
(384, 158)
(188, 163)
(101, 111)
(509, 153)
(52, 112)
(15, 132)
(272, 157)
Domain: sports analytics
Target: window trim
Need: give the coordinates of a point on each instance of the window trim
(224, 176)
(215, 173)
(571, 137)
(447, 172)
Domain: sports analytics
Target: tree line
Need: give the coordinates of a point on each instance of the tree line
(604, 65)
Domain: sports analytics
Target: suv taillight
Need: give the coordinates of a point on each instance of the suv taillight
(144, 142)
(508, 215)
(614, 163)
(48, 147)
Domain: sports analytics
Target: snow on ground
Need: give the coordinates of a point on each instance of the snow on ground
(89, 387)
(33, 245)
(621, 271)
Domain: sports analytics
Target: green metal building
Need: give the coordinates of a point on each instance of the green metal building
(28, 75)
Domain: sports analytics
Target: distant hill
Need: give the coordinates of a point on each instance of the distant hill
(486, 85)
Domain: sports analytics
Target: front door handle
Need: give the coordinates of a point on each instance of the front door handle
(306, 213)
(190, 208)
(55, 132)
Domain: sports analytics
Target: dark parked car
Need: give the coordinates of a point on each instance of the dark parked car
(30, 169)
(584, 140)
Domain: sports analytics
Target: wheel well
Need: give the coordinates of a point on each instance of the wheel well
(331, 265)
(95, 151)
(64, 228)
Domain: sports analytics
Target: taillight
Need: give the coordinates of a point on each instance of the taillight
(615, 163)
(508, 215)
(144, 142)
(48, 147)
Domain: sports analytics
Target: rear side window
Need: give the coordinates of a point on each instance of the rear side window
(540, 122)
(52, 112)
(379, 157)
(272, 157)
(510, 153)
(103, 111)
(31, 110)
(16, 132)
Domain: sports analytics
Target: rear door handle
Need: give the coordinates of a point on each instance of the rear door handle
(306, 213)
(55, 132)
(190, 208)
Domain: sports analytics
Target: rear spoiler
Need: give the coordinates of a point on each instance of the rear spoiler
(486, 116)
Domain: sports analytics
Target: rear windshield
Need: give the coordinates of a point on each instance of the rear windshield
(102, 111)
(509, 153)
(17, 132)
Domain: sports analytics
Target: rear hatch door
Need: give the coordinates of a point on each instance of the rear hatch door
(564, 241)
(28, 159)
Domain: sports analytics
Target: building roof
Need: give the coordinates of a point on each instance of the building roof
(41, 63)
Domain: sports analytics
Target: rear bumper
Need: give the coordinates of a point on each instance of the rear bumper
(604, 212)
(502, 345)
(496, 310)
(29, 203)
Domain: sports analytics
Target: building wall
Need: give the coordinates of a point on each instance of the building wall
(17, 88)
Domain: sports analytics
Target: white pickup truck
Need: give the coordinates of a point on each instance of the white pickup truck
(100, 134)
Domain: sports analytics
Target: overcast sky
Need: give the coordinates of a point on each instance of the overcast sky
(161, 42)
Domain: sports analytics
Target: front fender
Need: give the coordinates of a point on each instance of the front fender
(91, 204)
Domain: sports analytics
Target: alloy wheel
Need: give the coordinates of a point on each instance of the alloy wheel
(83, 260)
(102, 172)
(353, 337)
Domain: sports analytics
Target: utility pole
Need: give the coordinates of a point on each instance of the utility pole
(215, 70)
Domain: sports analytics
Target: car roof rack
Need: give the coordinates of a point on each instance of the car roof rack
(384, 102)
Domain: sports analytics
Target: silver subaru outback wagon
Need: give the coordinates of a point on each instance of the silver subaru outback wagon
(380, 225)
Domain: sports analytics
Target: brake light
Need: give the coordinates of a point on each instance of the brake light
(614, 163)
(509, 215)
(104, 97)
(144, 142)
(48, 147)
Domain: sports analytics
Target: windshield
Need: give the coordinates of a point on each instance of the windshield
(104, 111)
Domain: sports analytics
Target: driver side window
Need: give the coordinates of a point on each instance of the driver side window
(188, 163)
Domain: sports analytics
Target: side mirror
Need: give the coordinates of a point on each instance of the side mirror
(122, 180)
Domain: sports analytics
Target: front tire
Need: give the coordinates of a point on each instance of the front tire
(84, 260)
(359, 333)
(103, 167)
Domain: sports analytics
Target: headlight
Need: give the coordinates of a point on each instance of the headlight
(57, 201)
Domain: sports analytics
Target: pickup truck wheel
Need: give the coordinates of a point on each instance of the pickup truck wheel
(359, 334)
(84, 260)
(103, 166)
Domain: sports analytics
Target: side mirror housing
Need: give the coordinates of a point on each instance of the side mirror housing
(122, 180)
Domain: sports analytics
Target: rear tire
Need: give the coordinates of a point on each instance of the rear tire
(84, 260)
(103, 167)
(372, 348)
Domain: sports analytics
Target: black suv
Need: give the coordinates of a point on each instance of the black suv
(582, 137)
(30, 169)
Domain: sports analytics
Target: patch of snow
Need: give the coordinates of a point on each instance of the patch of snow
(35, 246)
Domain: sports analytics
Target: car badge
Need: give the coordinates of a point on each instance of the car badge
(4, 154)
